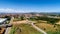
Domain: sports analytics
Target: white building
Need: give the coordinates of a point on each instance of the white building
(3, 20)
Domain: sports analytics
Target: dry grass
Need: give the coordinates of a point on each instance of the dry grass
(46, 27)
(25, 29)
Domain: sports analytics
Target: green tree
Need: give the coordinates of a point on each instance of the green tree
(8, 17)
(22, 17)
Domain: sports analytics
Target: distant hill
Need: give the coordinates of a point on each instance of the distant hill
(32, 13)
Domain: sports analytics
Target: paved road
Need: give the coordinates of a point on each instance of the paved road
(9, 28)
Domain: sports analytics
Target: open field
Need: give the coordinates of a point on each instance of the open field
(47, 24)
(23, 29)
(23, 21)
(49, 28)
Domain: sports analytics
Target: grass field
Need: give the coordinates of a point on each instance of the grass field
(49, 28)
(23, 29)
(28, 29)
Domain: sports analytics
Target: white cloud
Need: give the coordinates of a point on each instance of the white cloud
(9, 10)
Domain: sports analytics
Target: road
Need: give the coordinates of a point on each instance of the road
(9, 28)
(38, 29)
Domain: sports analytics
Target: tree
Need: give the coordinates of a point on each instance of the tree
(8, 17)
(22, 17)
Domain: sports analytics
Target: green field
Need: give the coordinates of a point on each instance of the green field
(23, 29)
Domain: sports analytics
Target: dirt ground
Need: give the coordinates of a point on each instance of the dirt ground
(23, 21)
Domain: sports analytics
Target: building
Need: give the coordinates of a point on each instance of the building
(3, 20)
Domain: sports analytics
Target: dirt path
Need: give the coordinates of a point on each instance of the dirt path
(40, 30)
(20, 22)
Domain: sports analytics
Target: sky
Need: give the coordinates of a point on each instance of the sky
(26, 6)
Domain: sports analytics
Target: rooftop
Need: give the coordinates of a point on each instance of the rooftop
(2, 20)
